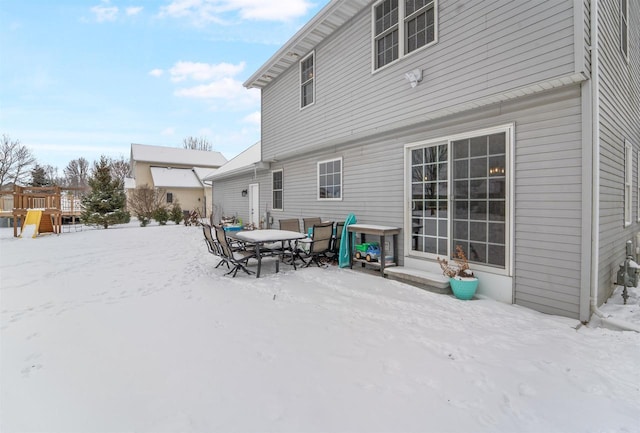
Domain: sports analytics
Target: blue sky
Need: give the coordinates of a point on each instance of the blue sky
(87, 78)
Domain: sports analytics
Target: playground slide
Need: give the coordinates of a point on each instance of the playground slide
(31, 223)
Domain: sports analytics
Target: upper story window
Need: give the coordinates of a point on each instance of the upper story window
(392, 40)
(277, 188)
(330, 179)
(307, 79)
(624, 28)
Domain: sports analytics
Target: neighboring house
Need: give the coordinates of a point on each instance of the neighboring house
(237, 189)
(179, 172)
(511, 128)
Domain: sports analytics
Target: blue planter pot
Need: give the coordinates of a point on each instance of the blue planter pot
(464, 289)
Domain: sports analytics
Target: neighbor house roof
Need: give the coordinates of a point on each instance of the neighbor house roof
(248, 160)
(176, 156)
(167, 177)
(328, 20)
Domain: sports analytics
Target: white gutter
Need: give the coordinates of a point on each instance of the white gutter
(595, 187)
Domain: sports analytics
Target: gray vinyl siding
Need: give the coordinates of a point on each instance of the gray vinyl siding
(484, 48)
(619, 120)
(548, 189)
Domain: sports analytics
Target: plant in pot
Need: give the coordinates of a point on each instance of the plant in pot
(463, 283)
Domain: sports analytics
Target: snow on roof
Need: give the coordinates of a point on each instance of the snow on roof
(174, 155)
(245, 160)
(204, 172)
(167, 177)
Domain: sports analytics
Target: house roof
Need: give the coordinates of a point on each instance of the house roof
(168, 177)
(176, 156)
(245, 161)
(328, 20)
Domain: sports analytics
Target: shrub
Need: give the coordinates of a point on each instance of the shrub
(176, 214)
(161, 215)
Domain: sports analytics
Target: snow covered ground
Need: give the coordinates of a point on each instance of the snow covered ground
(132, 329)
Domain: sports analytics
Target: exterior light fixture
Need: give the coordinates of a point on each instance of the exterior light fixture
(244, 193)
(414, 77)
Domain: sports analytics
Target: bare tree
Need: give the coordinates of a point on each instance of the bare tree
(144, 201)
(51, 175)
(120, 168)
(15, 160)
(197, 143)
(76, 173)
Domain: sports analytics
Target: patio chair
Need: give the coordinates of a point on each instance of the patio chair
(319, 244)
(289, 248)
(239, 258)
(291, 224)
(213, 246)
(335, 247)
(309, 223)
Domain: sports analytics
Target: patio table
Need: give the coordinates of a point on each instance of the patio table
(261, 237)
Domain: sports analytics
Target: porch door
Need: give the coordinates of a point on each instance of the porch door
(254, 204)
(459, 196)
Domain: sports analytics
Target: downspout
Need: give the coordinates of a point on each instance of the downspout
(595, 186)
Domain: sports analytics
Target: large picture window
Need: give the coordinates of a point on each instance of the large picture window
(277, 188)
(459, 197)
(330, 180)
(401, 27)
(307, 81)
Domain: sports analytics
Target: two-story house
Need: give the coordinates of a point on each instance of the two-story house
(179, 172)
(511, 128)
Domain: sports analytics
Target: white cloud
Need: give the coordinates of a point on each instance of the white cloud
(168, 131)
(253, 119)
(226, 88)
(277, 10)
(222, 11)
(134, 10)
(182, 71)
(105, 13)
(156, 72)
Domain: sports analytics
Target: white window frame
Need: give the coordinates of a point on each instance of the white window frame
(624, 28)
(628, 183)
(509, 130)
(273, 190)
(341, 180)
(401, 27)
(311, 81)
(638, 186)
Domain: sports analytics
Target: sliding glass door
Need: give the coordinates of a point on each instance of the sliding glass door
(459, 196)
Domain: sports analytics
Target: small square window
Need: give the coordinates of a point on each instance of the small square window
(330, 180)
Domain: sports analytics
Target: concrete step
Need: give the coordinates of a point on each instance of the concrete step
(430, 281)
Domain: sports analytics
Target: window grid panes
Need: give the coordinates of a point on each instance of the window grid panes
(479, 205)
(386, 32)
(330, 179)
(306, 80)
(277, 188)
(429, 200)
(419, 24)
(169, 197)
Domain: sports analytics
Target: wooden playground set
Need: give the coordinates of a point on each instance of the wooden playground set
(42, 207)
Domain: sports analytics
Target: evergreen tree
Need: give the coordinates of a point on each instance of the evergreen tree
(39, 176)
(105, 204)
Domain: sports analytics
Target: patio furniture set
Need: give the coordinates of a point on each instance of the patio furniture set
(318, 243)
